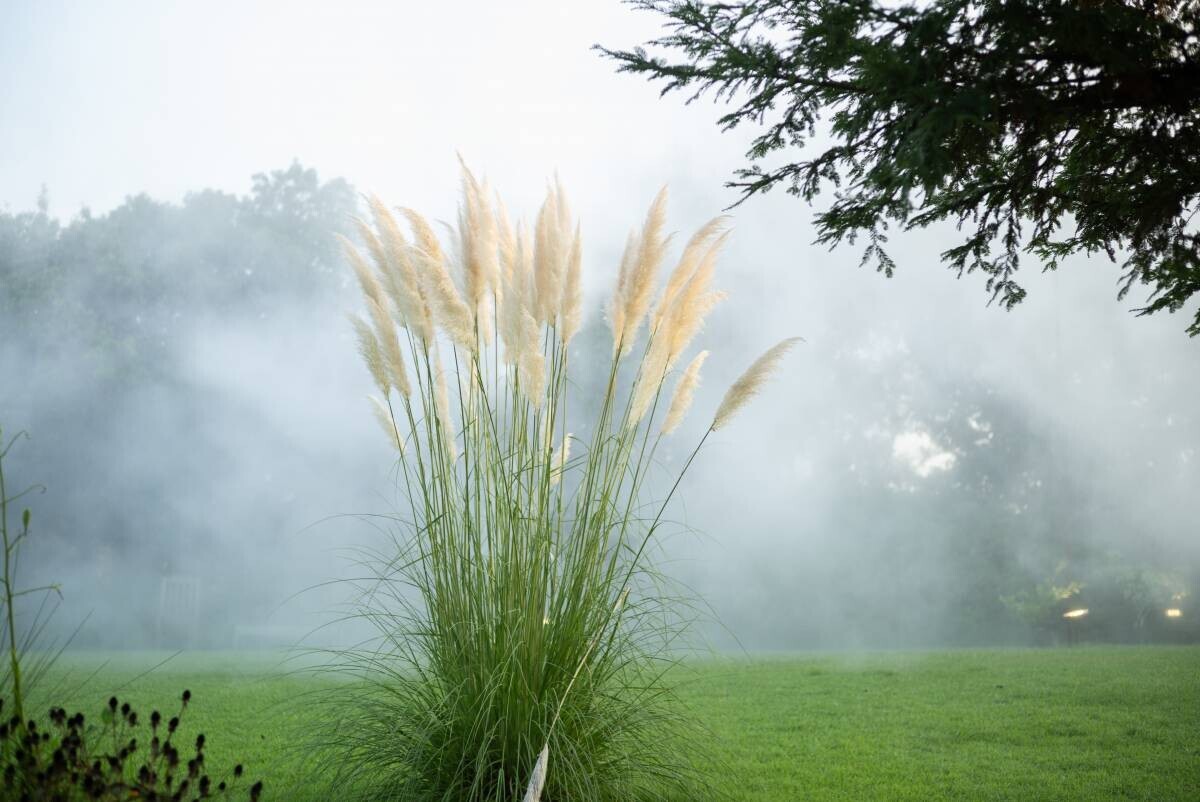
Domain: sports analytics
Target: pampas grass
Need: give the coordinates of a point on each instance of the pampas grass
(685, 390)
(518, 613)
(750, 383)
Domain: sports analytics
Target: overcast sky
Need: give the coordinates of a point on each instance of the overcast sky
(106, 99)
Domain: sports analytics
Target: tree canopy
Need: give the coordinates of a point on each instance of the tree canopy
(1040, 128)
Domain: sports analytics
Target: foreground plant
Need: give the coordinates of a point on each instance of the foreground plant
(61, 758)
(524, 633)
(19, 670)
(65, 759)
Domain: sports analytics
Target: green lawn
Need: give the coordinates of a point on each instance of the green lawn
(1082, 724)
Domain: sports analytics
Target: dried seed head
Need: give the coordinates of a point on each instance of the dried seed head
(650, 379)
(442, 410)
(552, 245)
(561, 455)
(372, 353)
(389, 346)
(698, 246)
(537, 781)
(572, 300)
(750, 383)
(367, 280)
(451, 311)
(685, 390)
(616, 307)
(643, 272)
(384, 416)
(399, 277)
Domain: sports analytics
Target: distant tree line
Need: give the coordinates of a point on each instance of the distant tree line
(97, 316)
(112, 289)
(93, 311)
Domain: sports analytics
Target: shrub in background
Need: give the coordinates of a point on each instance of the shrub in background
(524, 635)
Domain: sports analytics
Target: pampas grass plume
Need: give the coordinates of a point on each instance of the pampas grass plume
(400, 278)
(442, 402)
(750, 383)
(374, 246)
(572, 301)
(685, 390)
(560, 459)
(367, 280)
(552, 240)
(384, 416)
(452, 312)
(651, 247)
(372, 354)
(533, 793)
(389, 346)
(697, 248)
(616, 308)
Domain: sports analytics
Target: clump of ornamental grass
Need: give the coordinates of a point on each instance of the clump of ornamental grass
(524, 636)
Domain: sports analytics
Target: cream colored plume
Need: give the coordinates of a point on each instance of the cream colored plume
(367, 280)
(442, 401)
(448, 306)
(479, 247)
(552, 245)
(693, 301)
(514, 303)
(519, 328)
(531, 364)
(389, 346)
(424, 235)
(452, 313)
(643, 270)
(399, 274)
(750, 383)
(616, 307)
(384, 416)
(572, 300)
(650, 379)
(507, 242)
(685, 390)
(561, 455)
(537, 782)
(374, 246)
(372, 354)
(698, 247)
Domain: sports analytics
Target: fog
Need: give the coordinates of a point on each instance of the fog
(174, 339)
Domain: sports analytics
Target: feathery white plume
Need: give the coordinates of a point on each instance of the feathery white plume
(372, 354)
(561, 455)
(685, 390)
(616, 307)
(367, 280)
(750, 383)
(572, 300)
(384, 416)
(643, 272)
(533, 792)
(696, 249)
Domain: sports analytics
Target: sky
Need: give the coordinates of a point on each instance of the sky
(106, 100)
(120, 98)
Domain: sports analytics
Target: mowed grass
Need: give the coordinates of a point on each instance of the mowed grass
(1089, 723)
